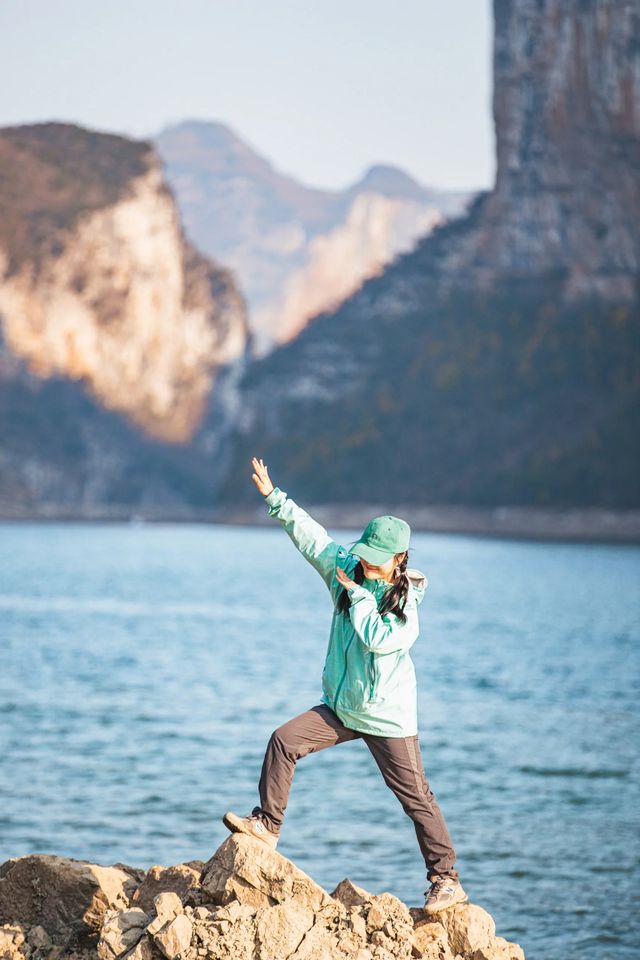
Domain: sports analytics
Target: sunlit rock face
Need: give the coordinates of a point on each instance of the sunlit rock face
(375, 229)
(98, 284)
(297, 251)
(566, 105)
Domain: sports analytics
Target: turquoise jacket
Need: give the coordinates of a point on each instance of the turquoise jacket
(368, 678)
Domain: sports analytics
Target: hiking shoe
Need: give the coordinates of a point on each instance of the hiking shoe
(444, 892)
(252, 826)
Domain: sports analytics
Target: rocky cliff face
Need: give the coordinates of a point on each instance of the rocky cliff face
(566, 107)
(247, 902)
(98, 285)
(297, 251)
(497, 362)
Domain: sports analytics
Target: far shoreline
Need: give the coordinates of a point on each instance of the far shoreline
(575, 525)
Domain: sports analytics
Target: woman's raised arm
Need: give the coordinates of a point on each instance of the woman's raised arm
(310, 537)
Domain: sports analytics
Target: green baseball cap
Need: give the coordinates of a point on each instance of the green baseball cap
(382, 538)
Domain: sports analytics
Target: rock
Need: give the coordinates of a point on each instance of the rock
(282, 928)
(469, 928)
(11, 940)
(350, 894)
(67, 897)
(430, 941)
(38, 938)
(143, 950)
(389, 917)
(168, 905)
(201, 913)
(175, 938)
(358, 922)
(281, 914)
(121, 930)
(183, 879)
(504, 950)
(261, 869)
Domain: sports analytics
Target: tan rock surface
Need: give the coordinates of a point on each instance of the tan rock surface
(120, 932)
(182, 879)
(263, 869)
(67, 897)
(247, 903)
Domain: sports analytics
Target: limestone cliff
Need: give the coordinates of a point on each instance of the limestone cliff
(247, 902)
(375, 229)
(566, 107)
(98, 284)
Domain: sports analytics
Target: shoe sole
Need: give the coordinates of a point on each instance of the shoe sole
(235, 824)
(446, 906)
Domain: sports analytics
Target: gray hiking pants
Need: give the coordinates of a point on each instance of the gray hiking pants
(399, 761)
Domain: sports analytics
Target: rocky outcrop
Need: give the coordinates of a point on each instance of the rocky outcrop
(496, 364)
(566, 107)
(298, 251)
(98, 284)
(247, 902)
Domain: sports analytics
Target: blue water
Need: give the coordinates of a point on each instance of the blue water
(143, 668)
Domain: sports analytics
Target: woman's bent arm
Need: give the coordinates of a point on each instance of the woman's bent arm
(310, 537)
(386, 634)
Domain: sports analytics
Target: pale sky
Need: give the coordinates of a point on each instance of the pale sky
(322, 88)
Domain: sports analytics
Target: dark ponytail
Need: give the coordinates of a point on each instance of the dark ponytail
(393, 600)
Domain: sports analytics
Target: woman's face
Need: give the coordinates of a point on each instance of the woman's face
(383, 571)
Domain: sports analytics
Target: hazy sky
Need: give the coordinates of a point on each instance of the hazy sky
(323, 88)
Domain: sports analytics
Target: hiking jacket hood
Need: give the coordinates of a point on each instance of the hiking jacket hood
(368, 678)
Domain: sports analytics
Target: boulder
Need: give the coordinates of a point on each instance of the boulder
(183, 879)
(120, 931)
(430, 941)
(67, 897)
(350, 894)
(174, 939)
(282, 928)
(168, 906)
(470, 929)
(259, 870)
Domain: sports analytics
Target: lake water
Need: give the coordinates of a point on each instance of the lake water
(144, 667)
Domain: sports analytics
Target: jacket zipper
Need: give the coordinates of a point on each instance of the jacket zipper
(372, 674)
(346, 649)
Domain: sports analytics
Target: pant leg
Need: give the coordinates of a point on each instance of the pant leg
(401, 766)
(309, 732)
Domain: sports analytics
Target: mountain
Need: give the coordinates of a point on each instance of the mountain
(497, 363)
(113, 330)
(296, 250)
(99, 285)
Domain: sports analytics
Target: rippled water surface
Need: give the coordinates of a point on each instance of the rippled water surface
(143, 668)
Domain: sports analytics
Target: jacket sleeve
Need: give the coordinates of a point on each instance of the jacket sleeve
(311, 539)
(386, 634)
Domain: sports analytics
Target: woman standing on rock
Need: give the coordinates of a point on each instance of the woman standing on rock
(368, 682)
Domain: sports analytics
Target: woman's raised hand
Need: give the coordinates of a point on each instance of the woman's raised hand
(261, 477)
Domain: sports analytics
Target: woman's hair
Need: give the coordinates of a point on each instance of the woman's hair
(393, 600)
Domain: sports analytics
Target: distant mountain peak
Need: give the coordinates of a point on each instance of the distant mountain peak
(390, 181)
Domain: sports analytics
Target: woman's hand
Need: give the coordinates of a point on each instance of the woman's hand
(261, 477)
(344, 579)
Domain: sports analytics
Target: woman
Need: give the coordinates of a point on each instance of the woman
(368, 682)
